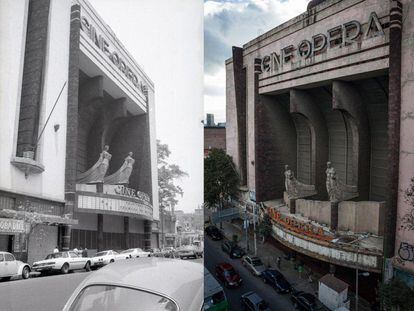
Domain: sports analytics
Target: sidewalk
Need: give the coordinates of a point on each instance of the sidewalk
(268, 252)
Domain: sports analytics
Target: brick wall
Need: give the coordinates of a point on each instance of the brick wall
(214, 138)
(33, 70)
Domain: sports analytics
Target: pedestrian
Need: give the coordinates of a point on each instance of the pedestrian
(76, 251)
(56, 250)
(278, 262)
(85, 252)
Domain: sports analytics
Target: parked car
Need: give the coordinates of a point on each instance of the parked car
(141, 284)
(167, 252)
(252, 301)
(232, 249)
(228, 275)
(185, 252)
(254, 264)
(306, 301)
(103, 258)
(277, 280)
(62, 262)
(134, 253)
(214, 233)
(10, 267)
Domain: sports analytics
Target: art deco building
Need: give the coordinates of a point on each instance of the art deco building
(77, 132)
(333, 84)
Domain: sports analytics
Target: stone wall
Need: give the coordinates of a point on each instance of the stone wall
(319, 211)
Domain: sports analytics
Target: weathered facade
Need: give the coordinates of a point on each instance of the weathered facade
(331, 85)
(77, 133)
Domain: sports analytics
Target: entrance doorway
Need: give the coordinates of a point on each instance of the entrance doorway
(6, 243)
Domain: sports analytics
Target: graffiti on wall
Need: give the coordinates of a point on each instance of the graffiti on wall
(406, 251)
(407, 220)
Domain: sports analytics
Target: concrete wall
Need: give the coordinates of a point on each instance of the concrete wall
(42, 242)
(363, 216)
(87, 221)
(319, 211)
(136, 225)
(404, 235)
(113, 223)
(214, 137)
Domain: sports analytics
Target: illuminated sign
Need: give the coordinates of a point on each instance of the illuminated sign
(12, 226)
(338, 36)
(113, 55)
(297, 226)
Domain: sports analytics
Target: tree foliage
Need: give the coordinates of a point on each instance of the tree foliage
(265, 226)
(397, 296)
(167, 175)
(221, 180)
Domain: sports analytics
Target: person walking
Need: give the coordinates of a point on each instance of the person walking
(85, 252)
(56, 250)
(278, 262)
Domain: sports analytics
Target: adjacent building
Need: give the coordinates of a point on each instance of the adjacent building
(77, 133)
(214, 135)
(319, 124)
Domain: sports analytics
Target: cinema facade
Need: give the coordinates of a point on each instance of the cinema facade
(320, 126)
(77, 134)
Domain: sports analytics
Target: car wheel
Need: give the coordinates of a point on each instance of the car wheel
(88, 266)
(111, 261)
(65, 268)
(25, 273)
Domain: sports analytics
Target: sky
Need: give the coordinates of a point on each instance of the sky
(230, 23)
(165, 37)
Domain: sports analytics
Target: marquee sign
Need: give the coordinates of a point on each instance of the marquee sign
(298, 226)
(339, 36)
(11, 226)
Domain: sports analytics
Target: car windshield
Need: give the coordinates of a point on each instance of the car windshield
(127, 251)
(110, 297)
(56, 255)
(101, 254)
(229, 272)
(257, 262)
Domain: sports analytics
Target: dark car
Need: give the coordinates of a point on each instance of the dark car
(306, 301)
(214, 233)
(277, 280)
(226, 274)
(232, 249)
(252, 301)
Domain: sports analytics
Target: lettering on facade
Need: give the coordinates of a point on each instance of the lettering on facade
(12, 226)
(132, 193)
(339, 36)
(297, 226)
(406, 251)
(114, 56)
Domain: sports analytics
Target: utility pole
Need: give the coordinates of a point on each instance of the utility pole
(246, 227)
(254, 228)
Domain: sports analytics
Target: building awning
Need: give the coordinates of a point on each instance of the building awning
(35, 217)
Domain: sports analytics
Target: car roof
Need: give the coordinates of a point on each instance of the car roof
(253, 297)
(274, 272)
(226, 266)
(179, 280)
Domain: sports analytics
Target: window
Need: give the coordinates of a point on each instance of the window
(109, 297)
(9, 257)
(1, 257)
(71, 254)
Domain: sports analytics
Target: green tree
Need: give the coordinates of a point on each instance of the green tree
(396, 296)
(221, 180)
(167, 175)
(265, 226)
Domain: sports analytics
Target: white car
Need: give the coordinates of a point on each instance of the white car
(254, 264)
(103, 258)
(133, 253)
(141, 284)
(10, 267)
(62, 262)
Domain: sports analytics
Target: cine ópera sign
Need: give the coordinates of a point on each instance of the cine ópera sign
(114, 56)
(339, 36)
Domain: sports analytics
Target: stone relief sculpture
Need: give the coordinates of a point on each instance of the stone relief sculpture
(337, 190)
(121, 176)
(294, 188)
(97, 172)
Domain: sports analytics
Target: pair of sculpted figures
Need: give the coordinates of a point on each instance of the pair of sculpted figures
(96, 174)
(337, 191)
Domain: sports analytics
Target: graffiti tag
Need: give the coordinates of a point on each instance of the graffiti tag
(406, 251)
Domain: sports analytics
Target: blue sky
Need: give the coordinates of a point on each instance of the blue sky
(230, 23)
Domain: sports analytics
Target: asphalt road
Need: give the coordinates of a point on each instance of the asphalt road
(213, 255)
(48, 293)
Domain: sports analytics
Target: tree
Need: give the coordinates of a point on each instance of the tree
(167, 174)
(265, 226)
(396, 295)
(221, 180)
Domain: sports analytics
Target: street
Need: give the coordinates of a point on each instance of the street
(213, 255)
(39, 293)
